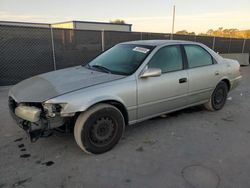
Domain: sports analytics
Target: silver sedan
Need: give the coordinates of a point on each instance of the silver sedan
(129, 83)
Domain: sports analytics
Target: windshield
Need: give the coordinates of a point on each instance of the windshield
(121, 59)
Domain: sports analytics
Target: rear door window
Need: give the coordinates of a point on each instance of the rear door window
(197, 56)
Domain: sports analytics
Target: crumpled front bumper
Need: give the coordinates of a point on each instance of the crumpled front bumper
(36, 129)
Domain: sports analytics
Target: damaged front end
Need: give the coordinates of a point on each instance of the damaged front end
(37, 119)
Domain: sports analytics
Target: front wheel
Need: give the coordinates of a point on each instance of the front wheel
(218, 98)
(99, 129)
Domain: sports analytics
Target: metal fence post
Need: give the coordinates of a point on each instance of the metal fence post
(103, 40)
(229, 47)
(214, 43)
(243, 46)
(53, 47)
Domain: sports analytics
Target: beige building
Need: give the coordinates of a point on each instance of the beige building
(82, 25)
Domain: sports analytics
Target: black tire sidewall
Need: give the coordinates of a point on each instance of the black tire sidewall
(221, 85)
(116, 115)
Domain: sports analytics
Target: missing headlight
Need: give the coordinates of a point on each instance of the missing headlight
(52, 109)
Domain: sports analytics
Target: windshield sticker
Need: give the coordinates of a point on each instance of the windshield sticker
(140, 49)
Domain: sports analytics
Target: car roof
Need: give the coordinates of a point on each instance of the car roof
(159, 42)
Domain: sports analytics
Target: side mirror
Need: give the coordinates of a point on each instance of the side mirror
(151, 72)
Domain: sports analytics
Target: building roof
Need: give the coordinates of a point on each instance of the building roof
(92, 22)
(23, 23)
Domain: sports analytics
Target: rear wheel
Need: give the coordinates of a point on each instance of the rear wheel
(99, 129)
(218, 98)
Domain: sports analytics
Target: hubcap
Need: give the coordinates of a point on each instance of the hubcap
(102, 131)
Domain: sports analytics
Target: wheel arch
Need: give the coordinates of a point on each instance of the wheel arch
(227, 81)
(114, 102)
(121, 107)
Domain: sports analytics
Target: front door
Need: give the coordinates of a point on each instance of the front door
(157, 95)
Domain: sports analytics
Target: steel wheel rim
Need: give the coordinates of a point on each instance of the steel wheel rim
(219, 96)
(103, 131)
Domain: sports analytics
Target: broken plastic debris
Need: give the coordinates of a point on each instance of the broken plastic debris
(229, 98)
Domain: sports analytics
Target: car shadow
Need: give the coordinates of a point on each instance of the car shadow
(168, 116)
(131, 130)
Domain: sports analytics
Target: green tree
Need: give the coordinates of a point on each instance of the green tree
(220, 32)
(210, 32)
(184, 32)
(118, 21)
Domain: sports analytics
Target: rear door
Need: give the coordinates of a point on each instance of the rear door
(203, 72)
(168, 91)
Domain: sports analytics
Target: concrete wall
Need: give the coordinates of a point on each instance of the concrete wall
(243, 58)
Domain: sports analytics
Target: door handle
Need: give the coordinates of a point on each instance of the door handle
(182, 80)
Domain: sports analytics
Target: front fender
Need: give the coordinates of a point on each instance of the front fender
(87, 104)
(79, 101)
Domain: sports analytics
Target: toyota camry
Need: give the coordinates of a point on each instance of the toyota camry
(129, 83)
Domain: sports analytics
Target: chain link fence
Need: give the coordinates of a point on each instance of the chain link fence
(24, 52)
(75, 47)
(28, 51)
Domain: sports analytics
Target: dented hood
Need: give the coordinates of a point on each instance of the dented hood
(49, 85)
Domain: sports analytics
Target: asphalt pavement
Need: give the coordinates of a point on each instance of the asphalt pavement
(191, 148)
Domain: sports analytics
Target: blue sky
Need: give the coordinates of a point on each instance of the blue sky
(145, 15)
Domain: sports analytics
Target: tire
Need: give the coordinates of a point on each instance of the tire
(218, 98)
(99, 129)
